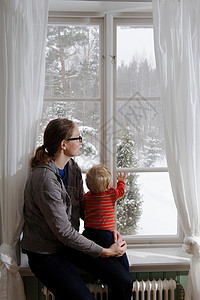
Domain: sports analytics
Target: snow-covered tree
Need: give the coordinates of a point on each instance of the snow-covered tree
(72, 61)
(88, 149)
(129, 207)
(152, 150)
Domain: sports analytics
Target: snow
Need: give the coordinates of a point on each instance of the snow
(159, 215)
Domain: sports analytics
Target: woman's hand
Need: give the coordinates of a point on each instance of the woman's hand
(116, 249)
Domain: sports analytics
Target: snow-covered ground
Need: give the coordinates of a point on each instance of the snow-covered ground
(159, 214)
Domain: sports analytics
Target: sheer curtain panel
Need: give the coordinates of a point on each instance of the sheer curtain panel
(22, 47)
(177, 47)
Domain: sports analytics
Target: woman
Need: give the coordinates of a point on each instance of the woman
(54, 247)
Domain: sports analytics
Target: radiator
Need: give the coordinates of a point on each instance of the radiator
(99, 291)
(48, 294)
(154, 290)
(142, 290)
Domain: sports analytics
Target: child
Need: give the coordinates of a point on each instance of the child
(99, 206)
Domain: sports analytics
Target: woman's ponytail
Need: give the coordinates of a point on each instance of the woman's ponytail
(40, 156)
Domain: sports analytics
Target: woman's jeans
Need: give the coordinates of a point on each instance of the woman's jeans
(59, 274)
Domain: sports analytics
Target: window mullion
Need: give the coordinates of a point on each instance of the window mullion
(108, 107)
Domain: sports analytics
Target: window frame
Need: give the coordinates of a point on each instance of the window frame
(108, 101)
(62, 19)
(142, 22)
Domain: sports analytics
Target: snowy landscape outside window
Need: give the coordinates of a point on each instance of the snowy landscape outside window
(73, 83)
(148, 201)
(74, 89)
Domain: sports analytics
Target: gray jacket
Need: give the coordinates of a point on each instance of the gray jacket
(48, 213)
(75, 191)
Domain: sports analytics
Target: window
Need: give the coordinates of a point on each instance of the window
(147, 208)
(76, 88)
(73, 82)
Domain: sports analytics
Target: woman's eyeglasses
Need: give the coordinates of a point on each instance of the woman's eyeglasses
(74, 139)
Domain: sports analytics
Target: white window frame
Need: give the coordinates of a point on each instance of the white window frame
(139, 239)
(63, 18)
(108, 99)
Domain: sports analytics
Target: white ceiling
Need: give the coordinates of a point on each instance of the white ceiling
(100, 7)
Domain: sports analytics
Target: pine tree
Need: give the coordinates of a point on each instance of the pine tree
(152, 150)
(129, 207)
(72, 61)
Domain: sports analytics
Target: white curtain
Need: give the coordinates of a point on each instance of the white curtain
(22, 59)
(177, 48)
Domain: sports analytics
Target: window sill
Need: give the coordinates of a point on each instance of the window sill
(151, 258)
(158, 258)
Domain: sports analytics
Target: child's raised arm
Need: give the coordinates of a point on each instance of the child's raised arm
(122, 177)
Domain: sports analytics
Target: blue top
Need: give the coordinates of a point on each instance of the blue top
(64, 174)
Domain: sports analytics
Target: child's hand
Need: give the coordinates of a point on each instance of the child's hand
(122, 177)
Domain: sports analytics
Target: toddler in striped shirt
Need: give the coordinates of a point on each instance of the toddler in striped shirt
(99, 207)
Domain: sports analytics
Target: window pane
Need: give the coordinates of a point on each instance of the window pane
(86, 116)
(139, 134)
(136, 71)
(73, 61)
(147, 207)
(139, 127)
(159, 214)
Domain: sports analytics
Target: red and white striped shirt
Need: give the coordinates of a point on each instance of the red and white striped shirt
(99, 208)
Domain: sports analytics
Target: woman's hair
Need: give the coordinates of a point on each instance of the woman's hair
(98, 179)
(56, 131)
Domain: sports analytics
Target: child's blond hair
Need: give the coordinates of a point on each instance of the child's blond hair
(98, 179)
